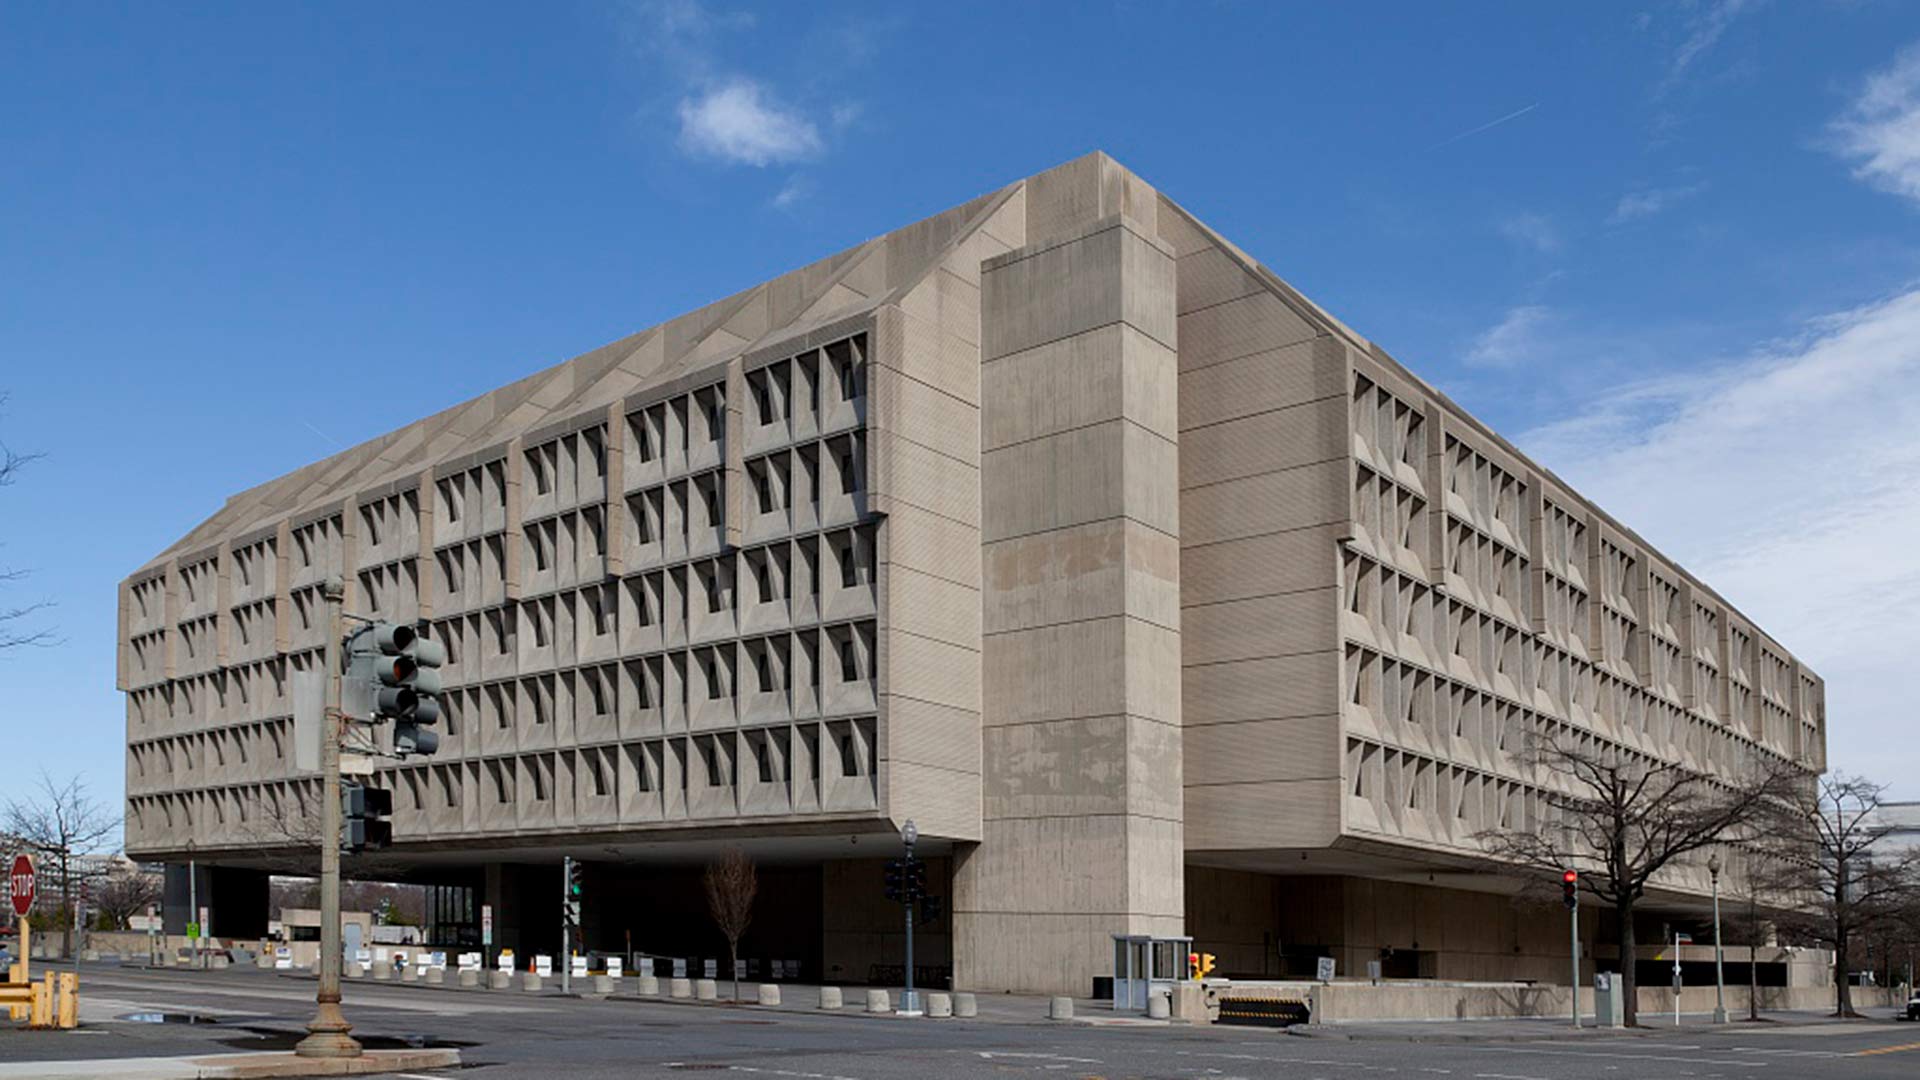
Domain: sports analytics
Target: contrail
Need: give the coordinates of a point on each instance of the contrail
(1486, 126)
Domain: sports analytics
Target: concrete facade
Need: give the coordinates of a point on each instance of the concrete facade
(1153, 594)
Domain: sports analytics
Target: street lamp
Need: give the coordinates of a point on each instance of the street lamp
(1719, 965)
(909, 1001)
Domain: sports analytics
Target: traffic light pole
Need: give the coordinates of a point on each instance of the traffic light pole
(566, 924)
(1574, 921)
(327, 1032)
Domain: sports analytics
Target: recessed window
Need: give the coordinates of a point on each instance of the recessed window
(849, 570)
(763, 571)
(848, 476)
(764, 753)
(710, 494)
(849, 661)
(763, 663)
(763, 399)
(763, 489)
(849, 379)
(849, 756)
(712, 754)
(716, 593)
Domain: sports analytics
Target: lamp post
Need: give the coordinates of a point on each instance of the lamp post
(1719, 964)
(327, 1032)
(909, 1001)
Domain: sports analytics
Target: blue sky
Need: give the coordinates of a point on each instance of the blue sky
(1670, 248)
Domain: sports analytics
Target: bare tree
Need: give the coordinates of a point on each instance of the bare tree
(124, 893)
(1622, 818)
(61, 821)
(1825, 843)
(731, 885)
(11, 636)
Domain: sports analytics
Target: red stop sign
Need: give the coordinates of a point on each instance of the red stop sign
(22, 881)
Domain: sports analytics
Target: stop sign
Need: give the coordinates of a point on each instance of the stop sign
(22, 881)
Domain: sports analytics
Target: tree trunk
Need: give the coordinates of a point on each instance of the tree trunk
(1753, 961)
(733, 953)
(1842, 991)
(66, 904)
(1629, 983)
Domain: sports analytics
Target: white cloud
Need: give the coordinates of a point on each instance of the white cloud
(1647, 202)
(1786, 481)
(738, 121)
(1881, 130)
(1536, 231)
(1514, 340)
(1703, 32)
(791, 193)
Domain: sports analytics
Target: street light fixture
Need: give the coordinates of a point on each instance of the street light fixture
(1719, 964)
(909, 1001)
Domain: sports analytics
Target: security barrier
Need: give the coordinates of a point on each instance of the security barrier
(1265, 1011)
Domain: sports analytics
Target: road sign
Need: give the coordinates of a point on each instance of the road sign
(22, 879)
(486, 924)
(193, 931)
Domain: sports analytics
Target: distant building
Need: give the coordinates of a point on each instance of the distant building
(1158, 598)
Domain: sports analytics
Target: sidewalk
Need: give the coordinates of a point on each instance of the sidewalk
(232, 1066)
(1554, 1029)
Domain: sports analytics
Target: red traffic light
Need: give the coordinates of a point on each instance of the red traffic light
(1570, 877)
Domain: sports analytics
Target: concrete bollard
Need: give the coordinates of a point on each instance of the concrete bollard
(90, 956)
(409, 973)
(355, 970)
(878, 1002)
(469, 977)
(706, 990)
(649, 986)
(264, 961)
(1060, 1008)
(436, 976)
(1158, 1007)
(769, 994)
(530, 981)
(964, 1005)
(830, 997)
(680, 988)
(218, 962)
(499, 980)
(382, 969)
(939, 1006)
(603, 984)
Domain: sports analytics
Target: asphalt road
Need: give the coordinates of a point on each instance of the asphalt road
(507, 1034)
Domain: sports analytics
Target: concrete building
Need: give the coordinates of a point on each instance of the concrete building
(1159, 599)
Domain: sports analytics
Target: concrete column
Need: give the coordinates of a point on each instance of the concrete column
(1082, 831)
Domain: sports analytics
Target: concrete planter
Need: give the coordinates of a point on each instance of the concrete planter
(830, 997)
(469, 977)
(878, 1002)
(706, 990)
(530, 982)
(499, 980)
(769, 994)
(680, 988)
(382, 969)
(1060, 1008)
(649, 986)
(436, 976)
(940, 1006)
(964, 1005)
(409, 974)
(603, 984)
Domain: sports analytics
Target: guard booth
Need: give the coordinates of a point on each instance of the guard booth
(1142, 963)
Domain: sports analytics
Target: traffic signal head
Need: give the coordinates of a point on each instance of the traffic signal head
(1569, 888)
(930, 909)
(575, 875)
(364, 812)
(1200, 964)
(407, 676)
(896, 880)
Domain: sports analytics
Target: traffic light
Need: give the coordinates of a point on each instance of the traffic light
(916, 880)
(364, 812)
(1569, 889)
(576, 873)
(896, 880)
(930, 910)
(1199, 965)
(407, 674)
